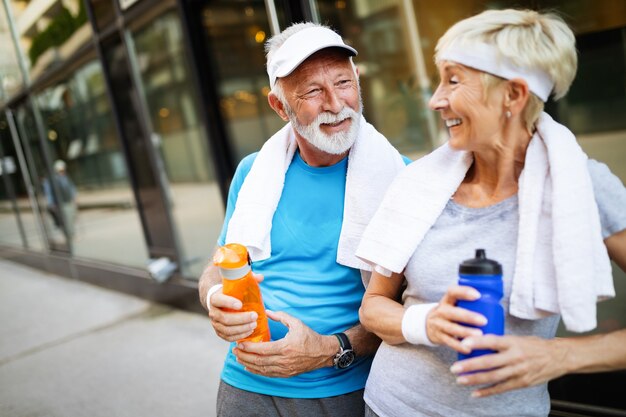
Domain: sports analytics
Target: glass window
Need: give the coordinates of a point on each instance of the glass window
(22, 185)
(235, 36)
(394, 82)
(195, 199)
(10, 74)
(36, 171)
(51, 31)
(10, 233)
(104, 12)
(10, 225)
(92, 189)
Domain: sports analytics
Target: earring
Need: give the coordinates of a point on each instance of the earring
(508, 114)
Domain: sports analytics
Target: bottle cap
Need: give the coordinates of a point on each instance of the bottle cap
(231, 255)
(233, 261)
(480, 265)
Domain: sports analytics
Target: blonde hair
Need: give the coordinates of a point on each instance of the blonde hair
(526, 38)
(533, 108)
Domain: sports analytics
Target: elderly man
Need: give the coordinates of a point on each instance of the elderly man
(300, 206)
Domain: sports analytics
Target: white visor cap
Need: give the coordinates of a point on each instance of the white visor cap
(301, 45)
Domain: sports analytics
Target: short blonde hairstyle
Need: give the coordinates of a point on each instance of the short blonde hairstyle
(526, 38)
(533, 108)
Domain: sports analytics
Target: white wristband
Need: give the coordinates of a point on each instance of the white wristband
(382, 271)
(209, 293)
(414, 324)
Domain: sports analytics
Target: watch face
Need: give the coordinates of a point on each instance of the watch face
(346, 359)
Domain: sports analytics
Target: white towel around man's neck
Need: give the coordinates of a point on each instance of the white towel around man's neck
(562, 265)
(372, 165)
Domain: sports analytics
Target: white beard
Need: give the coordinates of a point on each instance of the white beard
(335, 144)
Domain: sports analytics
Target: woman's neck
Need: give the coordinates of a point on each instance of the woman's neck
(494, 175)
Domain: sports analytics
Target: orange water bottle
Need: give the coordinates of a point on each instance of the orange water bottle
(238, 282)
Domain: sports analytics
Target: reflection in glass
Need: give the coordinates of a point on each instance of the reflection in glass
(29, 139)
(10, 225)
(10, 76)
(394, 84)
(50, 31)
(104, 12)
(235, 38)
(25, 187)
(195, 199)
(81, 139)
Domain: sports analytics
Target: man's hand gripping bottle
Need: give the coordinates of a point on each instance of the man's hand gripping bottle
(238, 282)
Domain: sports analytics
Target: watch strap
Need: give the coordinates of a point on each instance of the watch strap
(345, 356)
(344, 342)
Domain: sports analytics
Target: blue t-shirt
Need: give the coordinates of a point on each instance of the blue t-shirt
(303, 278)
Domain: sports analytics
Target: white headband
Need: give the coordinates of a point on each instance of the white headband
(299, 46)
(485, 57)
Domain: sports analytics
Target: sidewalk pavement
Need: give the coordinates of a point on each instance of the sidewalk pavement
(71, 349)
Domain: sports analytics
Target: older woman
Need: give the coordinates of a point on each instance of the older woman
(509, 180)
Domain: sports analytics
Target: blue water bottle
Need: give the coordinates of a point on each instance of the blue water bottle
(485, 275)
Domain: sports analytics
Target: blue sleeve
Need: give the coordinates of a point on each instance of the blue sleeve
(240, 175)
(610, 196)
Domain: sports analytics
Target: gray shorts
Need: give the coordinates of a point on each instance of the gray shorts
(234, 402)
(369, 412)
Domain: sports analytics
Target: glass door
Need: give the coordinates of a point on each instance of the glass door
(35, 168)
(11, 225)
(234, 37)
(89, 197)
(178, 140)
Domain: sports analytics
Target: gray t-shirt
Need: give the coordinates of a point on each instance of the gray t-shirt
(409, 380)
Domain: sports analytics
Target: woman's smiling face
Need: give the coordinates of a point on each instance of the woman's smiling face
(474, 117)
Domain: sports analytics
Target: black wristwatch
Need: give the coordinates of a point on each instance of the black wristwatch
(346, 355)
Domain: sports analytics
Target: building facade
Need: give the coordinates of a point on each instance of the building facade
(150, 104)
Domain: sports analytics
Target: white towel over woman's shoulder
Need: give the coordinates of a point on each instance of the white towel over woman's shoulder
(562, 265)
(372, 164)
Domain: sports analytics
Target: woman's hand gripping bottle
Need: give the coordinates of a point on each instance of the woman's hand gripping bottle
(485, 275)
(238, 282)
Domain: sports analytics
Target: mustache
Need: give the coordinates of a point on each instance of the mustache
(330, 118)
